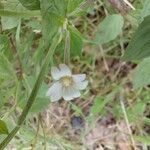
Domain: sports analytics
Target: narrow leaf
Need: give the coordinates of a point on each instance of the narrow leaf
(73, 4)
(6, 69)
(143, 139)
(3, 128)
(76, 42)
(99, 104)
(139, 46)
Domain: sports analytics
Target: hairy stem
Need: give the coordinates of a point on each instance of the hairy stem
(67, 49)
(127, 121)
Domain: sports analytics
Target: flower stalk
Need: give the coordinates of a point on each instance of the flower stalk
(67, 48)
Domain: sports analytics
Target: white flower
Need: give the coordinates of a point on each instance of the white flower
(65, 84)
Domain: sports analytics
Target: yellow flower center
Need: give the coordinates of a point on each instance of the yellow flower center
(66, 81)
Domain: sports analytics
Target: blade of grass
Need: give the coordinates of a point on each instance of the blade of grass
(126, 120)
(34, 92)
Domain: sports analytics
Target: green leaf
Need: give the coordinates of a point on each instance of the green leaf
(11, 22)
(96, 108)
(146, 9)
(31, 4)
(34, 25)
(41, 102)
(6, 69)
(108, 29)
(136, 110)
(38, 55)
(141, 75)
(146, 121)
(56, 7)
(139, 47)
(8, 79)
(77, 109)
(76, 42)
(139, 108)
(53, 15)
(5, 47)
(79, 7)
(3, 128)
(72, 5)
(26, 52)
(99, 104)
(38, 82)
(3, 42)
(6, 92)
(143, 139)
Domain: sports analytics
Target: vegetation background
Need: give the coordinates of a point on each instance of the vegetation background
(109, 41)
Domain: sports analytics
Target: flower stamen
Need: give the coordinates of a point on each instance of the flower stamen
(66, 81)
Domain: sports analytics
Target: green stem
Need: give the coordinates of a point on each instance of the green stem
(67, 48)
(33, 94)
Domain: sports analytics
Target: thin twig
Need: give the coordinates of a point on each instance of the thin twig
(36, 136)
(42, 126)
(103, 56)
(127, 121)
(129, 4)
(118, 70)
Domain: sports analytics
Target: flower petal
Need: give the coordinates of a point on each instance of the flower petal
(80, 81)
(81, 85)
(65, 70)
(79, 77)
(55, 72)
(55, 92)
(70, 93)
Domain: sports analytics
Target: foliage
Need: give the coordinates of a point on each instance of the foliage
(141, 76)
(108, 29)
(36, 34)
(31, 4)
(139, 45)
